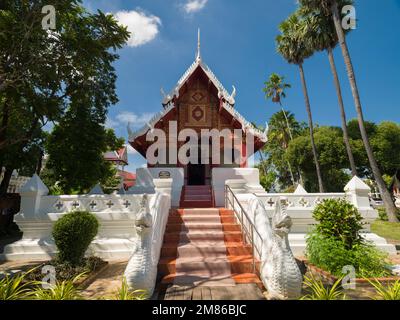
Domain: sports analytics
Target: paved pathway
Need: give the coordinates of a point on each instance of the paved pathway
(107, 282)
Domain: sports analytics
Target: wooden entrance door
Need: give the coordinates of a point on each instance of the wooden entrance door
(196, 174)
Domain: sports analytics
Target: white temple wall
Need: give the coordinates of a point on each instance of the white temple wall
(145, 176)
(251, 176)
(301, 205)
(116, 214)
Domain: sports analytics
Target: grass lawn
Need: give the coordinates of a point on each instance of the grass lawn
(387, 230)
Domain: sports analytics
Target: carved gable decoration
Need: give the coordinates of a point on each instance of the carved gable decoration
(198, 96)
(197, 115)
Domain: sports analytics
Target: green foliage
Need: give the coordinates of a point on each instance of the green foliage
(335, 242)
(76, 157)
(15, 287)
(125, 293)
(73, 234)
(390, 291)
(66, 271)
(290, 43)
(275, 88)
(386, 146)
(332, 158)
(382, 214)
(61, 290)
(340, 220)
(385, 143)
(321, 292)
(276, 148)
(267, 180)
(51, 71)
(332, 255)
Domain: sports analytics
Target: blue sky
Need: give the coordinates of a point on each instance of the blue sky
(238, 43)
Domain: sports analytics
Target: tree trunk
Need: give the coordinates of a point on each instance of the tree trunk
(291, 138)
(262, 162)
(342, 113)
(385, 194)
(287, 122)
(310, 124)
(6, 181)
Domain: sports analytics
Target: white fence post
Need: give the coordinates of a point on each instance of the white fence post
(31, 195)
(357, 192)
(237, 185)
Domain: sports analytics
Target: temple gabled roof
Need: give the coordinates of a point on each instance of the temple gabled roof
(198, 63)
(227, 101)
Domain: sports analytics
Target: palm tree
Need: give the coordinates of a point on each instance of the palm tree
(282, 125)
(294, 49)
(330, 7)
(320, 32)
(275, 90)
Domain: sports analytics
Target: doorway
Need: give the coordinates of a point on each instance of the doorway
(196, 174)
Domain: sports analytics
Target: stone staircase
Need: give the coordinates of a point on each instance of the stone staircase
(197, 197)
(204, 247)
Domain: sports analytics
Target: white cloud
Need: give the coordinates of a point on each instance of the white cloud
(192, 6)
(143, 28)
(134, 119)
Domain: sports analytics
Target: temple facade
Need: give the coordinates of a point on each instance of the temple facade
(198, 116)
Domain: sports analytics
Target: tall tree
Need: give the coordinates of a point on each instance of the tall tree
(278, 143)
(332, 155)
(275, 89)
(76, 149)
(41, 70)
(320, 33)
(291, 45)
(330, 7)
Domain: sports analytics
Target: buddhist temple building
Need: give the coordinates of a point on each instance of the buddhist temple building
(119, 158)
(198, 102)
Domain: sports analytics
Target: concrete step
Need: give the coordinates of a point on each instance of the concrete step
(200, 211)
(229, 248)
(185, 237)
(196, 203)
(186, 226)
(201, 219)
(193, 197)
(207, 267)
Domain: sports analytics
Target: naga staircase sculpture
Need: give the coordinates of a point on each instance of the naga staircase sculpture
(279, 270)
(141, 271)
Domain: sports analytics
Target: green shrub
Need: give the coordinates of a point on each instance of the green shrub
(318, 291)
(66, 271)
(61, 290)
(383, 215)
(390, 291)
(332, 255)
(125, 293)
(14, 287)
(73, 234)
(340, 220)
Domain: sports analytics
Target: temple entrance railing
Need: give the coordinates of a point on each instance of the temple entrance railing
(250, 235)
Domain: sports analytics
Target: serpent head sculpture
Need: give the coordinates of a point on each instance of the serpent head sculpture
(144, 219)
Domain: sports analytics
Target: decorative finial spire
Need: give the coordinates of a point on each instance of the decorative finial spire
(198, 56)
